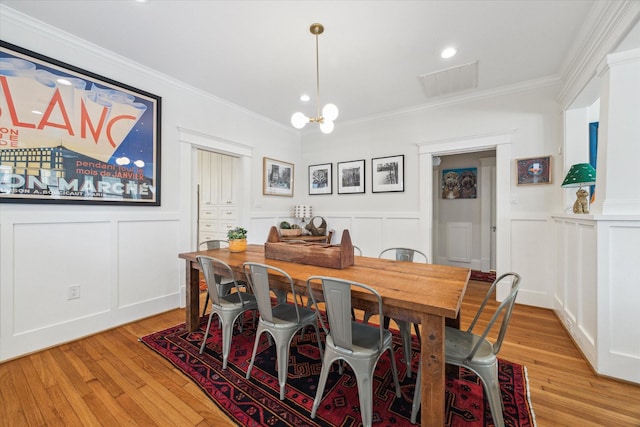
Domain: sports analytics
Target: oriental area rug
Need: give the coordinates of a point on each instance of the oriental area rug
(256, 402)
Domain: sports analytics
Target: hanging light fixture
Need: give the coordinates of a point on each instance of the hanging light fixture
(330, 111)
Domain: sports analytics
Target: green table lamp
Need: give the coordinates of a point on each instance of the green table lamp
(580, 174)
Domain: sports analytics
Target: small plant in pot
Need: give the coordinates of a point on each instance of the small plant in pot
(237, 239)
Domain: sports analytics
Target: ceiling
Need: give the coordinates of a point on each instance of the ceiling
(260, 55)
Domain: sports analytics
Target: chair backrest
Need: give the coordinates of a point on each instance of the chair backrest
(214, 244)
(214, 271)
(258, 279)
(357, 250)
(504, 310)
(337, 299)
(405, 254)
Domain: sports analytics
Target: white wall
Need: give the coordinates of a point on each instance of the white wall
(124, 258)
(532, 116)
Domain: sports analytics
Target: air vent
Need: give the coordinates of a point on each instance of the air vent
(451, 80)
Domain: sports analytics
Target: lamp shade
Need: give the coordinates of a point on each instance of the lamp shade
(580, 174)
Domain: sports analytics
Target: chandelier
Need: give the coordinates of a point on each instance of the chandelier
(330, 111)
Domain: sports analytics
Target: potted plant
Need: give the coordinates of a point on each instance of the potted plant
(237, 239)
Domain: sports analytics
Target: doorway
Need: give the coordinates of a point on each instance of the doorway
(464, 215)
(501, 143)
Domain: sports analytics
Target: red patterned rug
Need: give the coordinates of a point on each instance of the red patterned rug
(255, 402)
(483, 276)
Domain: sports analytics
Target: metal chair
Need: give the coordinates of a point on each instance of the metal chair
(407, 255)
(225, 287)
(357, 251)
(280, 319)
(358, 344)
(228, 307)
(476, 352)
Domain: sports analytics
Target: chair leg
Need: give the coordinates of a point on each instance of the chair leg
(405, 334)
(489, 376)
(417, 397)
(255, 348)
(227, 335)
(206, 302)
(394, 372)
(324, 373)
(282, 360)
(206, 332)
(365, 392)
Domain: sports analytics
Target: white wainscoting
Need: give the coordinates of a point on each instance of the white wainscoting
(597, 291)
(125, 265)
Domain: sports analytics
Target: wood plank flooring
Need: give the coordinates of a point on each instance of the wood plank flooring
(111, 379)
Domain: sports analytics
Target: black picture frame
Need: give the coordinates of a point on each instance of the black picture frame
(74, 136)
(321, 179)
(387, 174)
(351, 177)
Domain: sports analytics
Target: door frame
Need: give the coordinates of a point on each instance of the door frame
(501, 143)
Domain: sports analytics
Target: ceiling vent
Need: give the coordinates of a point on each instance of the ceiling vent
(451, 80)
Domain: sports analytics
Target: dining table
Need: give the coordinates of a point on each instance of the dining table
(428, 294)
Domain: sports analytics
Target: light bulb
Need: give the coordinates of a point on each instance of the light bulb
(326, 126)
(298, 120)
(330, 112)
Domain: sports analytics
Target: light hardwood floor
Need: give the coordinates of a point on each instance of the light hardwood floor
(111, 379)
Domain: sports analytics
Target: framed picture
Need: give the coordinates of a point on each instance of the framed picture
(320, 179)
(536, 170)
(387, 174)
(277, 179)
(351, 177)
(71, 136)
(461, 183)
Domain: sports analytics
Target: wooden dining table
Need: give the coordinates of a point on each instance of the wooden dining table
(428, 294)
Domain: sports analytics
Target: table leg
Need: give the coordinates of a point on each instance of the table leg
(192, 308)
(433, 364)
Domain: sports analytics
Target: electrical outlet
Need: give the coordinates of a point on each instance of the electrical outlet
(73, 292)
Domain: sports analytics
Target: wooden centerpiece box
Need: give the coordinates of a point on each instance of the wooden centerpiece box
(320, 254)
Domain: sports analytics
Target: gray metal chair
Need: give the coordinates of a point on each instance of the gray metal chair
(225, 287)
(357, 251)
(358, 344)
(280, 319)
(228, 307)
(406, 255)
(476, 352)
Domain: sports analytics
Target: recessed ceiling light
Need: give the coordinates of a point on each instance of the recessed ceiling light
(305, 98)
(448, 52)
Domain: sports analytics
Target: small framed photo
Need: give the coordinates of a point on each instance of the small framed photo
(320, 179)
(461, 183)
(535, 170)
(387, 174)
(351, 177)
(277, 179)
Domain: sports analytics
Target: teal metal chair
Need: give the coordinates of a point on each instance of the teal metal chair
(228, 307)
(281, 320)
(476, 352)
(358, 344)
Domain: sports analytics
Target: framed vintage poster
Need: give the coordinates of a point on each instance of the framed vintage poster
(320, 179)
(351, 177)
(277, 178)
(387, 174)
(461, 183)
(71, 136)
(535, 170)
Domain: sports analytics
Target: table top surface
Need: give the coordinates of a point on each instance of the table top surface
(415, 287)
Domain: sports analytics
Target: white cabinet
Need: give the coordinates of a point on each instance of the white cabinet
(218, 211)
(217, 178)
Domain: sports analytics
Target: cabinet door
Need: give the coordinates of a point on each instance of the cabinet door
(207, 178)
(227, 168)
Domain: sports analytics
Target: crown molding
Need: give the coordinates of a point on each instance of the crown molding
(607, 25)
